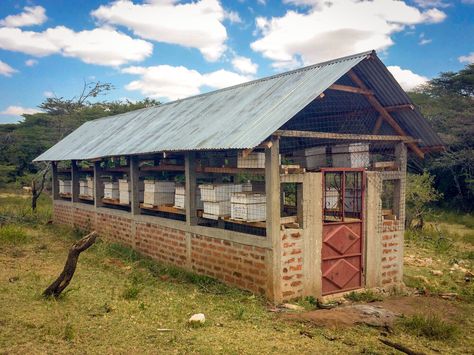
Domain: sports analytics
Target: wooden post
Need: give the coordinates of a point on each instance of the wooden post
(134, 185)
(74, 181)
(272, 190)
(55, 181)
(190, 197)
(98, 185)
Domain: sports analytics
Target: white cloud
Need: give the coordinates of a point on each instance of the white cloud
(244, 65)
(406, 78)
(18, 111)
(330, 29)
(165, 81)
(48, 94)
(6, 70)
(103, 46)
(31, 62)
(32, 15)
(432, 3)
(195, 24)
(423, 40)
(233, 17)
(467, 58)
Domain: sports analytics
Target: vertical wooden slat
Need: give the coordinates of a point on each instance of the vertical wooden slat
(74, 181)
(134, 185)
(55, 181)
(272, 190)
(190, 197)
(98, 185)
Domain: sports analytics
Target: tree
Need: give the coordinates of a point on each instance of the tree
(420, 193)
(448, 103)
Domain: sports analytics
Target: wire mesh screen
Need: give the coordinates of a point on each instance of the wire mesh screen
(231, 190)
(343, 195)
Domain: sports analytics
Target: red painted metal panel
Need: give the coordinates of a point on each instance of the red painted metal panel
(342, 248)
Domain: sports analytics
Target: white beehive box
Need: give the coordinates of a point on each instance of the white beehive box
(353, 155)
(180, 198)
(111, 190)
(248, 206)
(159, 186)
(125, 194)
(311, 158)
(64, 186)
(83, 188)
(253, 160)
(90, 186)
(218, 192)
(217, 209)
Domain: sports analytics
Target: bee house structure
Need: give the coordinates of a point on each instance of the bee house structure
(288, 186)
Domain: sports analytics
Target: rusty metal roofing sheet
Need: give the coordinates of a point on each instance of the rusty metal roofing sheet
(237, 117)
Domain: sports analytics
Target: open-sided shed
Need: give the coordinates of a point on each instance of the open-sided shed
(289, 186)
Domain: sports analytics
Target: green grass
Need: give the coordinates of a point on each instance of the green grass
(12, 234)
(452, 217)
(431, 327)
(118, 301)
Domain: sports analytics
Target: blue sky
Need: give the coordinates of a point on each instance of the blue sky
(169, 49)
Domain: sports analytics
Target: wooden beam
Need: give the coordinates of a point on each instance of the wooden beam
(74, 181)
(190, 188)
(134, 185)
(378, 125)
(98, 184)
(351, 89)
(399, 107)
(55, 181)
(272, 191)
(384, 113)
(343, 136)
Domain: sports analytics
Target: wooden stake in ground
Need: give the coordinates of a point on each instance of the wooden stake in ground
(63, 280)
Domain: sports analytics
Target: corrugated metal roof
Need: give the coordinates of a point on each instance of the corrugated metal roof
(237, 117)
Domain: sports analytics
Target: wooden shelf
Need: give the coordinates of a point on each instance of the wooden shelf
(163, 208)
(163, 168)
(231, 170)
(115, 202)
(86, 198)
(65, 195)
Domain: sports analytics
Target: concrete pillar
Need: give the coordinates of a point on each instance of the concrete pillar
(55, 181)
(272, 190)
(134, 185)
(190, 197)
(373, 220)
(98, 185)
(313, 233)
(74, 181)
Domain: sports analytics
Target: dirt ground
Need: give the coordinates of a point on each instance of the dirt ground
(382, 314)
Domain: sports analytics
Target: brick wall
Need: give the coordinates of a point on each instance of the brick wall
(392, 254)
(164, 244)
(292, 263)
(234, 263)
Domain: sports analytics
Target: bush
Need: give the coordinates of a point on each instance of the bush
(431, 327)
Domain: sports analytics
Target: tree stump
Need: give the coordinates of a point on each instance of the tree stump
(66, 275)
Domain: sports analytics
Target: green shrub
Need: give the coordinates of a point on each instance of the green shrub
(11, 234)
(431, 327)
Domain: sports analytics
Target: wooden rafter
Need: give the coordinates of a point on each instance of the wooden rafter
(384, 113)
(351, 89)
(343, 136)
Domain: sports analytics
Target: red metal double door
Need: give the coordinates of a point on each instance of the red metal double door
(343, 229)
